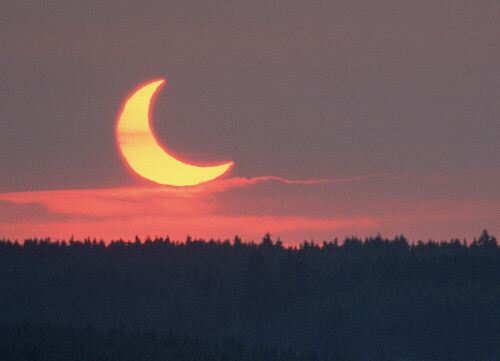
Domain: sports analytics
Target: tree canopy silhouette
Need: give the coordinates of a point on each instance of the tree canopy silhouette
(371, 299)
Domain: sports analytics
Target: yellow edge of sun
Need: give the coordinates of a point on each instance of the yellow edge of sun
(145, 155)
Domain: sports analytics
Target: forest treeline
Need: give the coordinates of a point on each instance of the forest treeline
(372, 299)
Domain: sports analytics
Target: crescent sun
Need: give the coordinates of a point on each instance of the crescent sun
(143, 153)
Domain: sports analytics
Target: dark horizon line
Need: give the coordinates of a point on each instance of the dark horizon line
(484, 239)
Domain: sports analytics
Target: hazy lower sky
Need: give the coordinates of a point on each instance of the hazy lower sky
(294, 89)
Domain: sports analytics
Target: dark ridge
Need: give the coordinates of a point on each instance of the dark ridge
(372, 299)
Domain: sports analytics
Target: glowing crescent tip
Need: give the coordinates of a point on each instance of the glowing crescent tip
(143, 153)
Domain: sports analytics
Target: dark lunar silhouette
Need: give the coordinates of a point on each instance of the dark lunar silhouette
(376, 299)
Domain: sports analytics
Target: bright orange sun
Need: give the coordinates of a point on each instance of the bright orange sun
(145, 155)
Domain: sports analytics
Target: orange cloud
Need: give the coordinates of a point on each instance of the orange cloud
(360, 206)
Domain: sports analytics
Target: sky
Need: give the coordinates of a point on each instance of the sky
(342, 118)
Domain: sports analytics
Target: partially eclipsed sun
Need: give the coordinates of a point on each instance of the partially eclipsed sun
(142, 151)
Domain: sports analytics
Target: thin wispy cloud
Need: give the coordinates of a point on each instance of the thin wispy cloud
(221, 185)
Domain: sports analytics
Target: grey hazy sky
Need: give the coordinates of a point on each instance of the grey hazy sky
(298, 89)
(292, 89)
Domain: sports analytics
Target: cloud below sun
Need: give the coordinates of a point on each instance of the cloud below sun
(422, 206)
